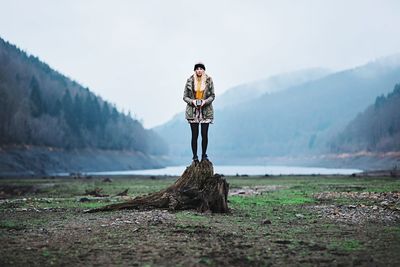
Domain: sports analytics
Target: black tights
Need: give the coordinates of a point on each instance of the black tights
(204, 138)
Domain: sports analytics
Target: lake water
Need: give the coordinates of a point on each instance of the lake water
(238, 170)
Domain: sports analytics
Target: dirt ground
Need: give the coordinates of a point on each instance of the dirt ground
(274, 221)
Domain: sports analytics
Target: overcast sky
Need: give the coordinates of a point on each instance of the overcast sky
(138, 54)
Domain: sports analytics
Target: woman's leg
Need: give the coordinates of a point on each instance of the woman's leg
(204, 140)
(195, 134)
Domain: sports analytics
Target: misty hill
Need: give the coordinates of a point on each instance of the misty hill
(175, 130)
(275, 83)
(377, 129)
(299, 120)
(41, 107)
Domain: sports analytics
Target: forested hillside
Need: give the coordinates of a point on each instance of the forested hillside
(302, 119)
(41, 107)
(377, 129)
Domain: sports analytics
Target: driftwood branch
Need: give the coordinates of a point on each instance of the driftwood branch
(96, 192)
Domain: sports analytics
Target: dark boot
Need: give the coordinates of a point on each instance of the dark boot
(204, 157)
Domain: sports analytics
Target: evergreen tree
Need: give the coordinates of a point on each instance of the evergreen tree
(56, 110)
(4, 116)
(105, 114)
(78, 111)
(379, 101)
(91, 112)
(96, 112)
(68, 109)
(37, 106)
(114, 114)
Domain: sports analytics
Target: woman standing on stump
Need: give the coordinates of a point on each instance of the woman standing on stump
(194, 189)
(199, 95)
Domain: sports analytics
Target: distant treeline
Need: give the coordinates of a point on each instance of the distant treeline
(375, 129)
(39, 106)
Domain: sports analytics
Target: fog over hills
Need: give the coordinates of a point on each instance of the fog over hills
(175, 130)
(375, 129)
(300, 120)
(248, 91)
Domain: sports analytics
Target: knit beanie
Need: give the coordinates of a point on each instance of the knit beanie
(199, 65)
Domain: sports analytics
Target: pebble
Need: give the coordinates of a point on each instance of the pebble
(266, 221)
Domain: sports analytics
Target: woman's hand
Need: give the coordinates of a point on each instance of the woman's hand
(203, 102)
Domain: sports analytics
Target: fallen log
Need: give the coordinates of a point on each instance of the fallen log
(96, 192)
(198, 188)
(122, 194)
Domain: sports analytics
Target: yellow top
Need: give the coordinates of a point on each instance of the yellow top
(199, 93)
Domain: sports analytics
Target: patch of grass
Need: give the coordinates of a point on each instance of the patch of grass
(245, 202)
(296, 200)
(273, 199)
(206, 261)
(69, 187)
(347, 245)
(190, 216)
(393, 230)
(12, 225)
(46, 253)
(15, 224)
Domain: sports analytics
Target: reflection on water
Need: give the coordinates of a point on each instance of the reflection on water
(238, 170)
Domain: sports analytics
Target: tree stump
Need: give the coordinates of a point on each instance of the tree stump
(198, 188)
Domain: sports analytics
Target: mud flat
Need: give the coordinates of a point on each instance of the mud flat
(275, 220)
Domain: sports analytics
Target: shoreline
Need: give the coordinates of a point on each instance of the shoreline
(364, 174)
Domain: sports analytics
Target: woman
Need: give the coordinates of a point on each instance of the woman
(199, 95)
